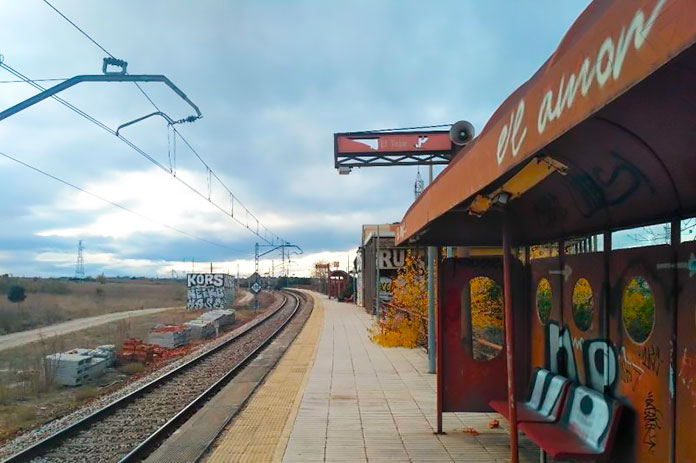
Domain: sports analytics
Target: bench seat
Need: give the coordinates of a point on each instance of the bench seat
(544, 402)
(558, 442)
(586, 429)
(525, 413)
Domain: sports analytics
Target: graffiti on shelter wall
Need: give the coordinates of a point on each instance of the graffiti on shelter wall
(599, 67)
(687, 371)
(652, 418)
(606, 366)
(208, 291)
(599, 357)
(606, 186)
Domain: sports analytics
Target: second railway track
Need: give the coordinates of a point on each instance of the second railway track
(127, 429)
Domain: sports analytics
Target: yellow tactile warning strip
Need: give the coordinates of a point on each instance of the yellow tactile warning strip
(260, 433)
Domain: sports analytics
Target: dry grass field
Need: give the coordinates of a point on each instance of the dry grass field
(27, 400)
(50, 301)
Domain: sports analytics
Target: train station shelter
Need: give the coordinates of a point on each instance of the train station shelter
(338, 280)
(600, 139)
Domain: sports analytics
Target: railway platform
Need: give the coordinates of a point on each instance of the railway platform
(338, 397)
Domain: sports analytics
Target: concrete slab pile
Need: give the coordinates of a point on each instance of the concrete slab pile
(169, 336)
(68, 369)
(222, 316)
(200, 329)
(106, 351)
(74, 367)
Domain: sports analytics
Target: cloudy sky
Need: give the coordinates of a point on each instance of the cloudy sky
(274, 80)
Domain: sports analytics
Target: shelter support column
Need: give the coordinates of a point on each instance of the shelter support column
(438, 345)
(431, 296)
(675, 241)
(509, 337)
(431, 309)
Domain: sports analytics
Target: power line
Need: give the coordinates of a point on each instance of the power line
(209, 170)
(101, 198)
(20, 81)
(78, 28)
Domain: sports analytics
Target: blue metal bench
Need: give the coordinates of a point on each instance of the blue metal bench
(543, 405)
(586, 429)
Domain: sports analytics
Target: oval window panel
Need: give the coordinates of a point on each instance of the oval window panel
(583, 304)
(638, 309)
(543, 300)
(487, 318)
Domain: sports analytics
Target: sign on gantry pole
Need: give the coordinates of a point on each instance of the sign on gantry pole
(255, 288)
(403, 147)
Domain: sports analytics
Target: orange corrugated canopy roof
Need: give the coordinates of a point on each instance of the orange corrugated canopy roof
(610, 48)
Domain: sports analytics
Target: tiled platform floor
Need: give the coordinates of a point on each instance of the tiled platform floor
(367, 403)
(260, 432)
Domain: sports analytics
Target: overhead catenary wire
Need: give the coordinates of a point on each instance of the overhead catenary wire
(78, 28)
(209, 171)
(154, 161)
(112, 203)
(20, 81)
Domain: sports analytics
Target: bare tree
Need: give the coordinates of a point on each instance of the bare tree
(46, 369)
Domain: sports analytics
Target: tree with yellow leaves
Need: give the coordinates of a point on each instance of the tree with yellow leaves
(405, 320)
(638, 309)
(487, 317)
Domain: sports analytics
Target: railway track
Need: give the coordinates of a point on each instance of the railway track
(128, 429)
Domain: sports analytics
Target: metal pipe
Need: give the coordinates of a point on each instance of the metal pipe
(674, 242)
(431, 296)
(431, 309)
(439, 340)
(377, 274)
(509, 337)
(135, 121)
(97, 78)
(606, 316)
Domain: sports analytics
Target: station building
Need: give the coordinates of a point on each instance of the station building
(378, 254)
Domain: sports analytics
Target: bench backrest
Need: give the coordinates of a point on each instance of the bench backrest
(555, 393)
(591, 416)
(539, 382)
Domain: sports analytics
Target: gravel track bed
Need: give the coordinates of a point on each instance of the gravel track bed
(111, 439)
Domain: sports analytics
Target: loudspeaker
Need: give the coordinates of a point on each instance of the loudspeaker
(461, 133)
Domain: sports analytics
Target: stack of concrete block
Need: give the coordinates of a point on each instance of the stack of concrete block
(68, 369)
(97, 366)
(201, 329)
(169, 336)
(222, 317)
(106, 352)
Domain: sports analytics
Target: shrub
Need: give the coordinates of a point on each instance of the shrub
(101, 279)
(347, 291)
(16, 294)
(37, 285)
(6, 395)
(22, 414)
(86, 393)
(132, 368)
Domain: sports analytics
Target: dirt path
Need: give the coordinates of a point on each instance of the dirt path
(9, 341)
(244, 299)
